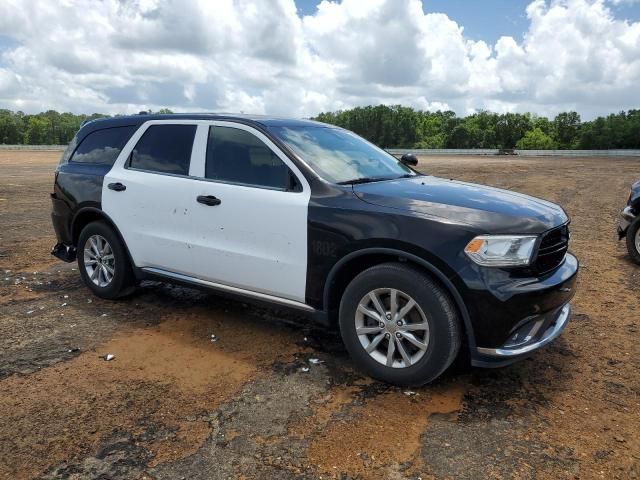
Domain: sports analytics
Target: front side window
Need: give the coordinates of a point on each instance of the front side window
(102, 146)
(238, 156)
(340, 156)
(164, 149)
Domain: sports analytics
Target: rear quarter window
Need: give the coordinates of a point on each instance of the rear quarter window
(69, 150)
(102, 146)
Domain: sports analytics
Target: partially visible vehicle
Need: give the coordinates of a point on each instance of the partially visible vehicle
(629, 224)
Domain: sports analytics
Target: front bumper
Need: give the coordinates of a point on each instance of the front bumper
(534, 334)
(513, 316)
(627, 216)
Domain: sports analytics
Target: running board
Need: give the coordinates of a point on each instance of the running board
(230, 289)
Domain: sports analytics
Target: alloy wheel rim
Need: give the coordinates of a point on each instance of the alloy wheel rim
(637, 242)
(392, 328)
(99, 261)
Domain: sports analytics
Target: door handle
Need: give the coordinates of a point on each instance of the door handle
(118, 187)
(209, 200)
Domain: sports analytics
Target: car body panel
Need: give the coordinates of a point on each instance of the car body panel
(491, 209)
(76, 187)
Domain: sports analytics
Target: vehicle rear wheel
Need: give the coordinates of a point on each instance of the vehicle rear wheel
(399, 325)
(103, 262)
(633, 240)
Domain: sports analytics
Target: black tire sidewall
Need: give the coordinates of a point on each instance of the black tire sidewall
(122, 278)
(441, 315)
(631, 239)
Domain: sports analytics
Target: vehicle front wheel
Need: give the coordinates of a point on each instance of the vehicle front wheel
(633, 240)
(103, 262)
(399, 325)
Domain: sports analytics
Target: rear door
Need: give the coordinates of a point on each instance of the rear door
(252, 232)
(149, 195)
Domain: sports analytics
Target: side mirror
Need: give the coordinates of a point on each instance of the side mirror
(409, 159)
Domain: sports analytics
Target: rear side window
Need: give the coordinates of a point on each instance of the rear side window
(235, 155)
(102, 146)
(164, 149)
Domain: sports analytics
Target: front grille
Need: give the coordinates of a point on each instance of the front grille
(553, 247)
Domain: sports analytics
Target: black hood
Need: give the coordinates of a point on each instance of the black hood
(491, 210)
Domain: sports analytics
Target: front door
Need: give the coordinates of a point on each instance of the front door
(248, 222)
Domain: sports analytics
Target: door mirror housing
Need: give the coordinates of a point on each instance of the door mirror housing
(409, 159)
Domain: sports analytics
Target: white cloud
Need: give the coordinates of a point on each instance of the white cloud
(259, 56)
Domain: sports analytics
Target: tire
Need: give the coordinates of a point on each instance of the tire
(442, 338)
(116, 279)
(633, 240)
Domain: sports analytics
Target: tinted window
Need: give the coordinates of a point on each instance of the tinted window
(165, 149)
(235, 155)
(102, 146)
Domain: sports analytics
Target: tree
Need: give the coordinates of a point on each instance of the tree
(511, 127)
(11, 128)
(37, 131)
(543, 123)
(566, 127)
(536, 139)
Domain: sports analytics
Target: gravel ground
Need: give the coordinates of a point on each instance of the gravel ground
(173, 404)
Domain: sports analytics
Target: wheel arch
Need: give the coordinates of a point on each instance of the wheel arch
(355, 262)
(85, 216)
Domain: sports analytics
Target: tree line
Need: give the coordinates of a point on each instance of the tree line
(403, 127)
(398, 127)
(46, 128)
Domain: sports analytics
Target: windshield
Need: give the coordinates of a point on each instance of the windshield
(340, 156)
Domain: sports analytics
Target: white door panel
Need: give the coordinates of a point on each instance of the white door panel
(152, 215)
(255, 239)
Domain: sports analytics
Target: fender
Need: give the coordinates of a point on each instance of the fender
(418, 260)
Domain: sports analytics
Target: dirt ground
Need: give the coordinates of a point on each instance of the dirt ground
(174, 404)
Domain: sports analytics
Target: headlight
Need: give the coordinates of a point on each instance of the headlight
(501, 250)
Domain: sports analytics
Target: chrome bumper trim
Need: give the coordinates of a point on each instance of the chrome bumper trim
(550, 335)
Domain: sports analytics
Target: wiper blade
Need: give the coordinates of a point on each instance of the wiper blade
(355, 181)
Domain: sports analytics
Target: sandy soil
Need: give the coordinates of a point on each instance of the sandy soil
(174, 404)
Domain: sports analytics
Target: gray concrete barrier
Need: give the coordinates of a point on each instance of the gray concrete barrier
(578, 153)
(443, 151)
(56, 148)
(523, 153)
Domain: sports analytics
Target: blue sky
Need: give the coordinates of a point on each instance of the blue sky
(6, 43)
(488, 20)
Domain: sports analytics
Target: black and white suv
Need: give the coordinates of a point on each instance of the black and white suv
(309, 216)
